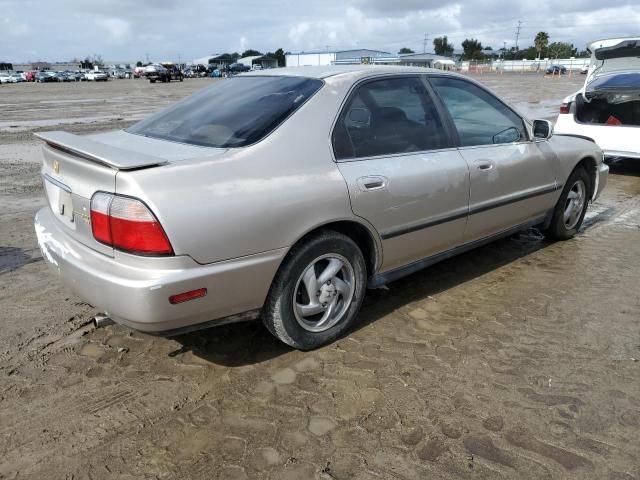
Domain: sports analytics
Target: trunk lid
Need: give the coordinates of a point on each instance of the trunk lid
(75, 167)
(614, 55)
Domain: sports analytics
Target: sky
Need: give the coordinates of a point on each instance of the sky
(181, 30)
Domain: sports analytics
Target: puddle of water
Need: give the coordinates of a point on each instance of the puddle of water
(92, 350)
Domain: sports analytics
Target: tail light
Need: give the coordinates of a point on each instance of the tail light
(127, 224)
(564, 108)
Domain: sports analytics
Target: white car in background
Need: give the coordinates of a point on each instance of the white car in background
(15, 78)
(97, 76)
(607, 108)
(5, 77)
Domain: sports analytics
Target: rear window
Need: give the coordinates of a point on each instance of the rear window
(232, 113)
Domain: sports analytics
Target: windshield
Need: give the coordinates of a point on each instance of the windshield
(231, 113)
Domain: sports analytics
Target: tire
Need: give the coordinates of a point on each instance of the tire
(152, 81)
(578, 191)
(339, 300)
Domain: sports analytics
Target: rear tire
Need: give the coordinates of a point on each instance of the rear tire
(317, 292)
(571, 208)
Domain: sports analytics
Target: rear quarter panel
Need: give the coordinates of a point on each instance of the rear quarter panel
(570, 151)
(252, 199)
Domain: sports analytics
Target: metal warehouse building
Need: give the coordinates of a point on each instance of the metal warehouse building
(303, 59)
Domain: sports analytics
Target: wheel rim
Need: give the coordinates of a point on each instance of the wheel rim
(574, 204)
(324, 292)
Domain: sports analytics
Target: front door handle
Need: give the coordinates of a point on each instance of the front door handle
(372, 182)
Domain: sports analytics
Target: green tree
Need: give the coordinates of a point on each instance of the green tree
(561, 50)
(138, 63)
(405, 50)
(472, 49)
(442, 46)
(280, 56)
(540, 42)
(250, 53)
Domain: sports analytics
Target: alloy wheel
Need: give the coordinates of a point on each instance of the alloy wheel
(574, 204)
(324, 292)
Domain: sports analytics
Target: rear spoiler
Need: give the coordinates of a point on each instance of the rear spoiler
(97, 152)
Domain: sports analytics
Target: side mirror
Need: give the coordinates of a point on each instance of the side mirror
(542, 129)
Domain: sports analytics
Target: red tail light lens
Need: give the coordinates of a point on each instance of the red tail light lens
(564, 108)
(186, 296)
(127, 224)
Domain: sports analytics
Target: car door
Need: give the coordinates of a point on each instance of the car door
(404, 174)
(512, 178)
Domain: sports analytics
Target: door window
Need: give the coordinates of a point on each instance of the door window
(388, 116)
(479, 117)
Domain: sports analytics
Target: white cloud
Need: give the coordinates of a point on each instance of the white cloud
(118, 30)
(166, 29)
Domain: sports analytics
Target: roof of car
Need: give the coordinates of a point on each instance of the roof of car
(332, 70)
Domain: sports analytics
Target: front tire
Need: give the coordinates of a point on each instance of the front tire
(571, 208)
(317, 292)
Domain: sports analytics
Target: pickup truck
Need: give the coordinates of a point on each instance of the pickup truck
(163, 73)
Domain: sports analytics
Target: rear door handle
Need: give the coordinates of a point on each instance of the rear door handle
(372, 182)
(485, 165)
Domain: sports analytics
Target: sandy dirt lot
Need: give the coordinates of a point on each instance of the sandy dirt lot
(516, 360)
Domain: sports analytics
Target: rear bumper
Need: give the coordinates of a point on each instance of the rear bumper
(611, 154)
(615, 141)
(135, 291)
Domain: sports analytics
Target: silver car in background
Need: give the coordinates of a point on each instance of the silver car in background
(284, 194)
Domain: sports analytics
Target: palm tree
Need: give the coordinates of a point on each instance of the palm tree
(541, 41)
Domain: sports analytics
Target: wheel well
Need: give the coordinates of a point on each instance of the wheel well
(359, 234)
(589, 164)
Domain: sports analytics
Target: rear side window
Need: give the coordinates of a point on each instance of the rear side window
(388, 116)
(479, 117)
(233, 112)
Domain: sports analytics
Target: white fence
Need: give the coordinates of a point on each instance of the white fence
(523, 66)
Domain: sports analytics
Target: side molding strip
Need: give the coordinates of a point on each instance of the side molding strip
(396, 232)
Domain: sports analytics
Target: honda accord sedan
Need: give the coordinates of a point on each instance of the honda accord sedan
(284, 194)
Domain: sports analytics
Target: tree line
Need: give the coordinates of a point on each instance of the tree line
(472, 49)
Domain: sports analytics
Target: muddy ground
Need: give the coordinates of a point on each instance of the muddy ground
(516, 360)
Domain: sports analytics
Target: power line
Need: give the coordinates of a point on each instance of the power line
(518, 33)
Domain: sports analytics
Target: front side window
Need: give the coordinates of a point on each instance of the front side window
(388, 116)
(479, 117)
(235, 112)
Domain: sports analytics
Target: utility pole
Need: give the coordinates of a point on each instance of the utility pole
(424, 43)
(518, 33)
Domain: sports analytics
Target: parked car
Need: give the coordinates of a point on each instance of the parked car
(584, 69)
(163, 73)
(15, 78)
(64, 77)
(96, 75)
(556, 70)
(46, 76)
(238, 68)
(29, 76)
(284, 194)
(138, 72)
(607, 108)
(5, 77)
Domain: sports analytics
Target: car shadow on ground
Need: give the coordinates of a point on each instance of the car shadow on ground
(250, 342)
(12, 258)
